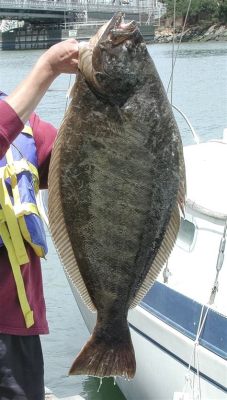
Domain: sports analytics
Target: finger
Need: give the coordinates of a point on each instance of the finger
(74, 65)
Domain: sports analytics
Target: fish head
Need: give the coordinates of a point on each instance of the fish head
(111, 60)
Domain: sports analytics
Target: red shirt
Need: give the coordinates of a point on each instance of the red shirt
(11, 317)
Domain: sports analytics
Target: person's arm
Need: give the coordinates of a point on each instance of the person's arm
(44, 135)
(60, 58)
(10, 127)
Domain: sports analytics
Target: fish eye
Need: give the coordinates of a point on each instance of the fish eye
(128, 44)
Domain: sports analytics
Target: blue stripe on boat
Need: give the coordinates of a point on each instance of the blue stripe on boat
(183, 314)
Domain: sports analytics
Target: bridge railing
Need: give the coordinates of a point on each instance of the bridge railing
(75, 5)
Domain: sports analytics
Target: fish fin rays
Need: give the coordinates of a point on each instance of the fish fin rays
(169, 237)
(181, 197)
(161, 257)
(58, 228)
(104, 359)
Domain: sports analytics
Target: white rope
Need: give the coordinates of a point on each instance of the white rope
(196, 391)
(70, 76)
(189, 382)
(173, 48)
(68, 92)
(174, 59)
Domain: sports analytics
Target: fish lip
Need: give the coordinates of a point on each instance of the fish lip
(124, 28)
(116, 32)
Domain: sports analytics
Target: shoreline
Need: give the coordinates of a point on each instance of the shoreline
(215, 32)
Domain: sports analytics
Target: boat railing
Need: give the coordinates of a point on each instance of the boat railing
(194, 134)
(199, 211)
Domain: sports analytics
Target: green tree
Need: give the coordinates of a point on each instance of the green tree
(223, 11)
(199, 10)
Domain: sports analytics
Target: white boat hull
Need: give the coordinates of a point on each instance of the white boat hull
(162, 356)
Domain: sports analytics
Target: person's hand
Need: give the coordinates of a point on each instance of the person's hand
(61, 58)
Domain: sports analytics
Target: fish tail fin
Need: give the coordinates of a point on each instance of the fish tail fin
(106, 355)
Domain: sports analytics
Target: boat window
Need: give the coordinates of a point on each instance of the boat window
(186, 235)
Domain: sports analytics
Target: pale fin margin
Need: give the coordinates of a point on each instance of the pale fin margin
(169, 237)
(58, 228)
(161, 257)
(182, 192)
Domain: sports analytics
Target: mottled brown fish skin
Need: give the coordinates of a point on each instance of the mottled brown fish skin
(119, 181)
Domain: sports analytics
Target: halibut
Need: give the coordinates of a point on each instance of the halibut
(116, 183)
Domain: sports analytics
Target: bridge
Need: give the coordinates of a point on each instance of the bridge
(41, 23)
(65, 10)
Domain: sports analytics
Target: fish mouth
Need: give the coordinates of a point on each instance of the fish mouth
(105, 59)
(116, 31)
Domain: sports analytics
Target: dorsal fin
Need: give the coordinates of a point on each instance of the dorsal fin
(58, 228)
(168, 240)
(161, 257)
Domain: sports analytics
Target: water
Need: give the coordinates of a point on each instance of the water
(200, 91)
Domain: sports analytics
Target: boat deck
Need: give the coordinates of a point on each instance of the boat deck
(50, 396)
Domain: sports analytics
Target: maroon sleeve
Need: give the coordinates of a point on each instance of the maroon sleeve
(10, 126)
(44, 135)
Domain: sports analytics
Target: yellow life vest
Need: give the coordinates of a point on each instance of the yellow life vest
(19, 216)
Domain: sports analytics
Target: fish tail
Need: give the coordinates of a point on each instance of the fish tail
(106, 355)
